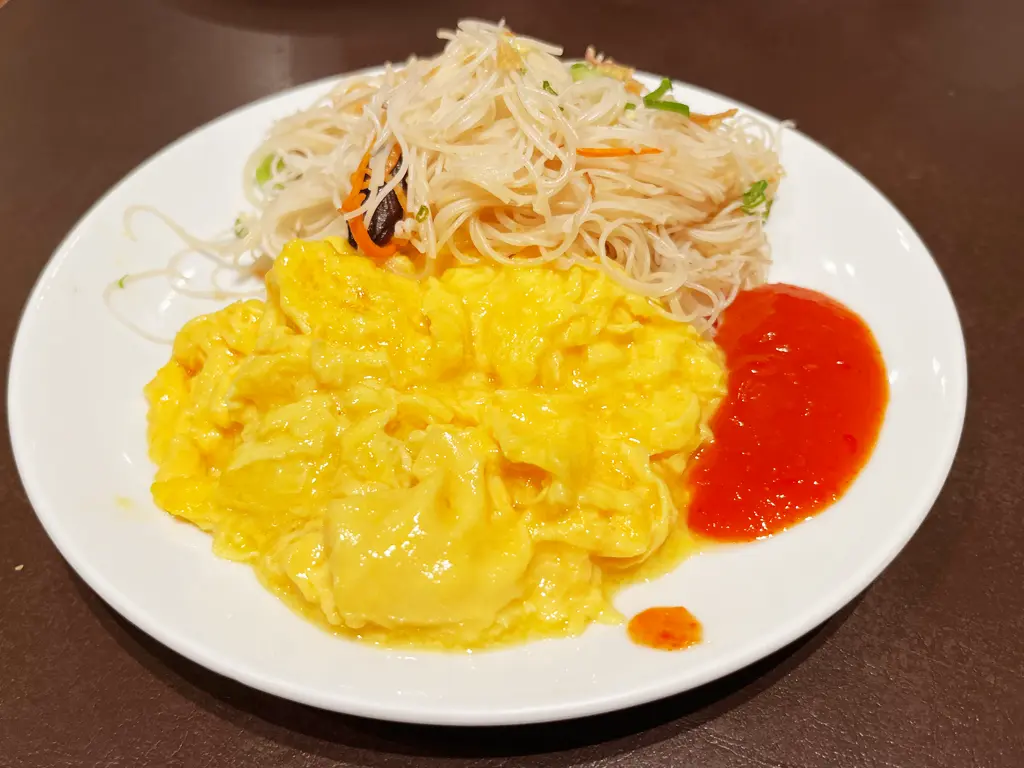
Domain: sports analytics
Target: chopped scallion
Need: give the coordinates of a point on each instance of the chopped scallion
(669, 106)
(547, 87)
(754, 197)
(630, 105)
(657, 93)
(267, 168)
(581, 71)
(661, 98)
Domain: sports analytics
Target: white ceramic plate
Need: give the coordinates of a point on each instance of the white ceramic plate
(78, 422)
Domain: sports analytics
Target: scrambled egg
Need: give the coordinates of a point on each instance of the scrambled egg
(472, 460)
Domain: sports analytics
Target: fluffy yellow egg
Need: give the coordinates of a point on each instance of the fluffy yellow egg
(467, 461)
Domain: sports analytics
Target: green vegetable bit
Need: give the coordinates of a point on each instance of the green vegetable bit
(120, 283)
(581, 71)
(657, 93)
(630, 105)
(670, 106)
(241, 230)
(267, 168)
(654, 100)
(755, 196)
(422, 213)
(547, 87)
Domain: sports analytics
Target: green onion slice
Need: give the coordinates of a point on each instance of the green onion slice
(755, 196)
(657, 93)
(581, 71)
(661, 98)
(266, 169)
(669, 106)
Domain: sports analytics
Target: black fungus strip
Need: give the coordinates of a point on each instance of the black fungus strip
(385, 217)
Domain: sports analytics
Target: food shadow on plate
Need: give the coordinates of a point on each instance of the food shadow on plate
(338, 737)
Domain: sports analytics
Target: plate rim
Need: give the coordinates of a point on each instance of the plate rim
(783, 634)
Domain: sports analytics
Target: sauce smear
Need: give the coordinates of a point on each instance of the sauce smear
(667, 629)
(807, 394)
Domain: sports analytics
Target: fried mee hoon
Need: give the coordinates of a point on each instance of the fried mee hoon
(497, 150)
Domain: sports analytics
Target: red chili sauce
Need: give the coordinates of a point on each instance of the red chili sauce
(667, 629)
(807, 395)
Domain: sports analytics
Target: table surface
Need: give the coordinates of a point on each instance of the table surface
(925, 97)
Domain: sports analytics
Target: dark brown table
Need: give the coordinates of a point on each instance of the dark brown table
(924, 97)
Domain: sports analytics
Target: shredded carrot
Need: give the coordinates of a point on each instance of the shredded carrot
(615, 151)
(365, 244)
(394, 156)
(355, 196)
(356, 225)
(706, 121)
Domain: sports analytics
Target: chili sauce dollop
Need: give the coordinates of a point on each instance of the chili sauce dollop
(670, 628)
(806, 398)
